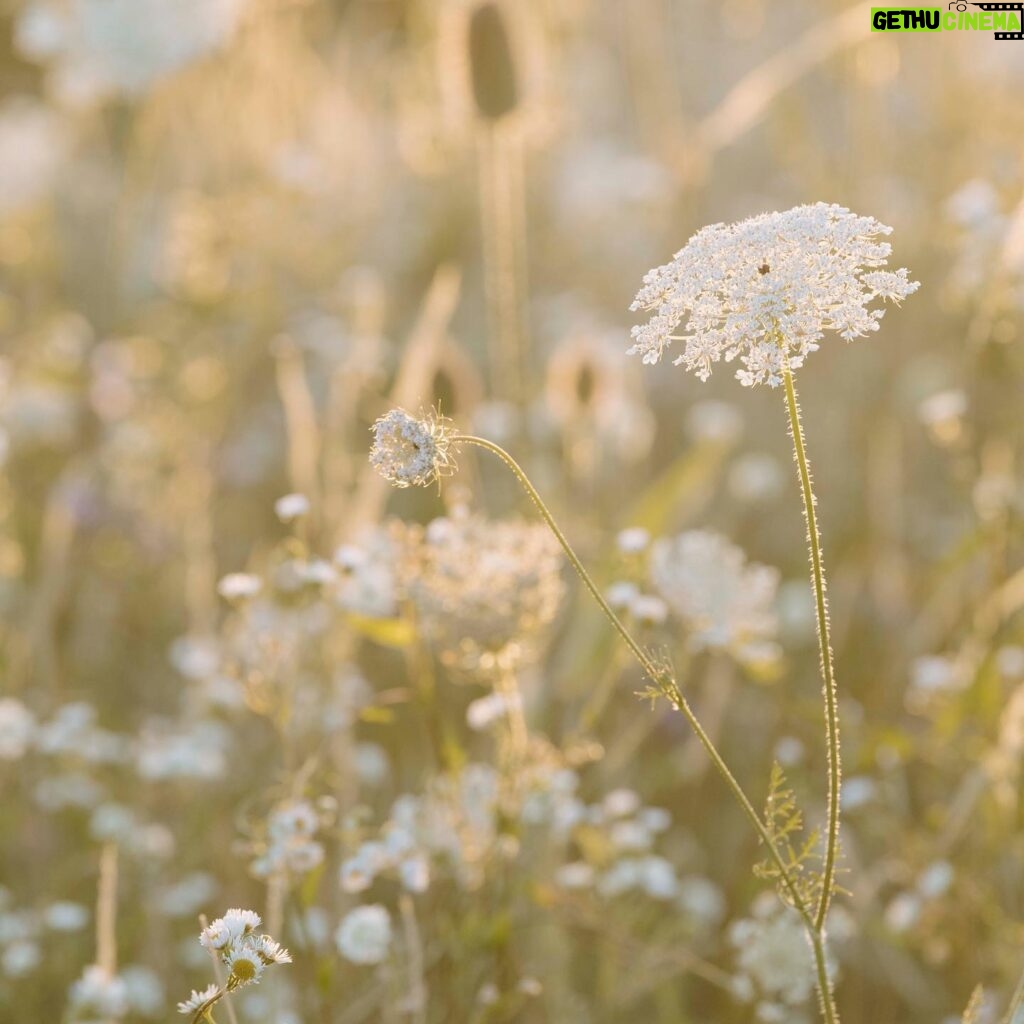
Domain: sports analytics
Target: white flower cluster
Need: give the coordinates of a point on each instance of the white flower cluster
(364, 935)
(726, 603)
(37, 143)
(411, 452)
(773, 966)
(767, 289)
(103, 47)
(189, 750)
(628, 832)
(17, 729)
(290, 846)
(460, 826)
(483, 589)
(100, 995)
(72, 732)
(23, 932)
(366, 576)
(163, 749)
(246, 955)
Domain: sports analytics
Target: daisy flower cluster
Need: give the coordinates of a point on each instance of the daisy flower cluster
(233, 940)
(767, 289)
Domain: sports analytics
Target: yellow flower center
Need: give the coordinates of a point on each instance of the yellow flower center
(243, 970)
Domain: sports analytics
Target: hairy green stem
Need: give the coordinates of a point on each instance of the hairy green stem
(828, 874)
(659, 675)
(825, 998)
(813, 922)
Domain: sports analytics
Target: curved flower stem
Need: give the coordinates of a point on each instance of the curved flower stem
(669, 686)
(828, 874)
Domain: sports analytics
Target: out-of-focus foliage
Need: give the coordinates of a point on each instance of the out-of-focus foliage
(238, 670)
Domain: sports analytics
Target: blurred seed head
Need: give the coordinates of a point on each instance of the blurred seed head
(491, 58)
(411, 452)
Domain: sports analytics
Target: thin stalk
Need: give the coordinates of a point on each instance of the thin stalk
(828, 874)
(417, 999)
(507, 686)
(658, 674)
(106, 911)
(825, 999)
(1016, 1002)
(218, 976)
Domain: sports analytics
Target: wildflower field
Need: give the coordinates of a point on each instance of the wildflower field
(414, 608)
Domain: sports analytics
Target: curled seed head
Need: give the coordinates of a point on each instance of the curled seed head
(410, 451)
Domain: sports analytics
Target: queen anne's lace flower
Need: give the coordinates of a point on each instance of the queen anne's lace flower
(767, 289)
(484, 590)
(409, 451)
(725, 602)
(771, 960)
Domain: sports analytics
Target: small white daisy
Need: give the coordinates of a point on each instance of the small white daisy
(241, 922)
(215, 936)
(270, 950)
(291, 506)
(199, 999)
(237, 586)
(246, 966)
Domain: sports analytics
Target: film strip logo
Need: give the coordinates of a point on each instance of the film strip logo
(1017, 7)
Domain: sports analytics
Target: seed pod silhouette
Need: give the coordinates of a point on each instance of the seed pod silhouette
(492, 63)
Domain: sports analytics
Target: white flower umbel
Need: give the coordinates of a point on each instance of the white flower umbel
(767, 289)
(411, 452)
(482, 588)
(727, 603)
